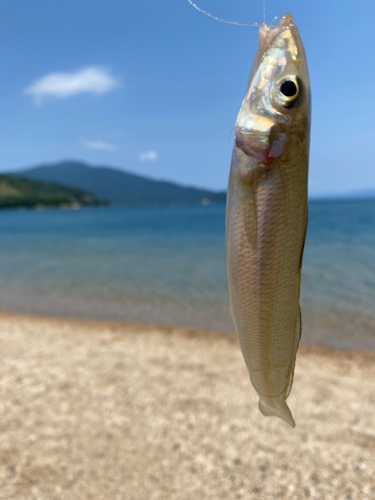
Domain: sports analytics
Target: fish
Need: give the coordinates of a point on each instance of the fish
(266, 213)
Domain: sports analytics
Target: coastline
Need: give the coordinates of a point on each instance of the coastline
(110, 409)
(170, 329)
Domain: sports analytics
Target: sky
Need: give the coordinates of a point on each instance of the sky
(154, 87)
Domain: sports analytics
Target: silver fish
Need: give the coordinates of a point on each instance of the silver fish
(266, 216)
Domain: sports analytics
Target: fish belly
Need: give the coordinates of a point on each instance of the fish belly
(265, 232)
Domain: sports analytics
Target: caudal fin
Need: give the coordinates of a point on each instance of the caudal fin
(278, 409)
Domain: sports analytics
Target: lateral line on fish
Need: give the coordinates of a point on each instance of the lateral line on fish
(281, 263)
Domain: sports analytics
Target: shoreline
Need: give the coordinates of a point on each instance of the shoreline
(108, 409)
(187, 331)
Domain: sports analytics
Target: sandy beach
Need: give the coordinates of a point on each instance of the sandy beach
(101, 410)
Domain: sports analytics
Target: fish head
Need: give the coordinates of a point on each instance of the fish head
(278, 94)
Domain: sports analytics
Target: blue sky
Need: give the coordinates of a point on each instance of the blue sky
(155, 87)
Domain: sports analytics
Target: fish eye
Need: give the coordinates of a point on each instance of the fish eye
(288, 90)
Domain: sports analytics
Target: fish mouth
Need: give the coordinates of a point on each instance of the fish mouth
(268, 33)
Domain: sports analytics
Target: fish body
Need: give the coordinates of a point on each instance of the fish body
(266, 216)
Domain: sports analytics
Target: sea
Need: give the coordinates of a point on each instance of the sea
(166, 265)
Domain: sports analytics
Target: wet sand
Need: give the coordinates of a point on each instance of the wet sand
(101, 410)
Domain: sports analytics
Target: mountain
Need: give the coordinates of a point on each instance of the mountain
(18, 191)
(365, 194)
(347, 196)
(119, 187)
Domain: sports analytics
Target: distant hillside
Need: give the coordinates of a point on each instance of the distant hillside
(18, 191)
(348, 196)
(119, 187)
(365, 194)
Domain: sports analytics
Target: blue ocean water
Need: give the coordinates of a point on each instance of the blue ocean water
(167, 265)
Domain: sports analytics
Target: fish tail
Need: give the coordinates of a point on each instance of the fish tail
(276, 407)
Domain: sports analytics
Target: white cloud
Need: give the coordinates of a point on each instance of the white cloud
(148, 156)
(93, 79)
(99, 145)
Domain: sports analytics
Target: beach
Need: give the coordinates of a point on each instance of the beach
(98, 410)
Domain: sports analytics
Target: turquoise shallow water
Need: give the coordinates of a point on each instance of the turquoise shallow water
(167, 265)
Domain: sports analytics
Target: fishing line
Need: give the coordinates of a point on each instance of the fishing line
(272, 23)
(264, 11)
(231, 137)
(226, 20)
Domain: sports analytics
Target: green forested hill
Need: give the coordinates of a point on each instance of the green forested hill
(120, 187)
(20, 191)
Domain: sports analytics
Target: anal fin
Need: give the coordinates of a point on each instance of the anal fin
(297, 338)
